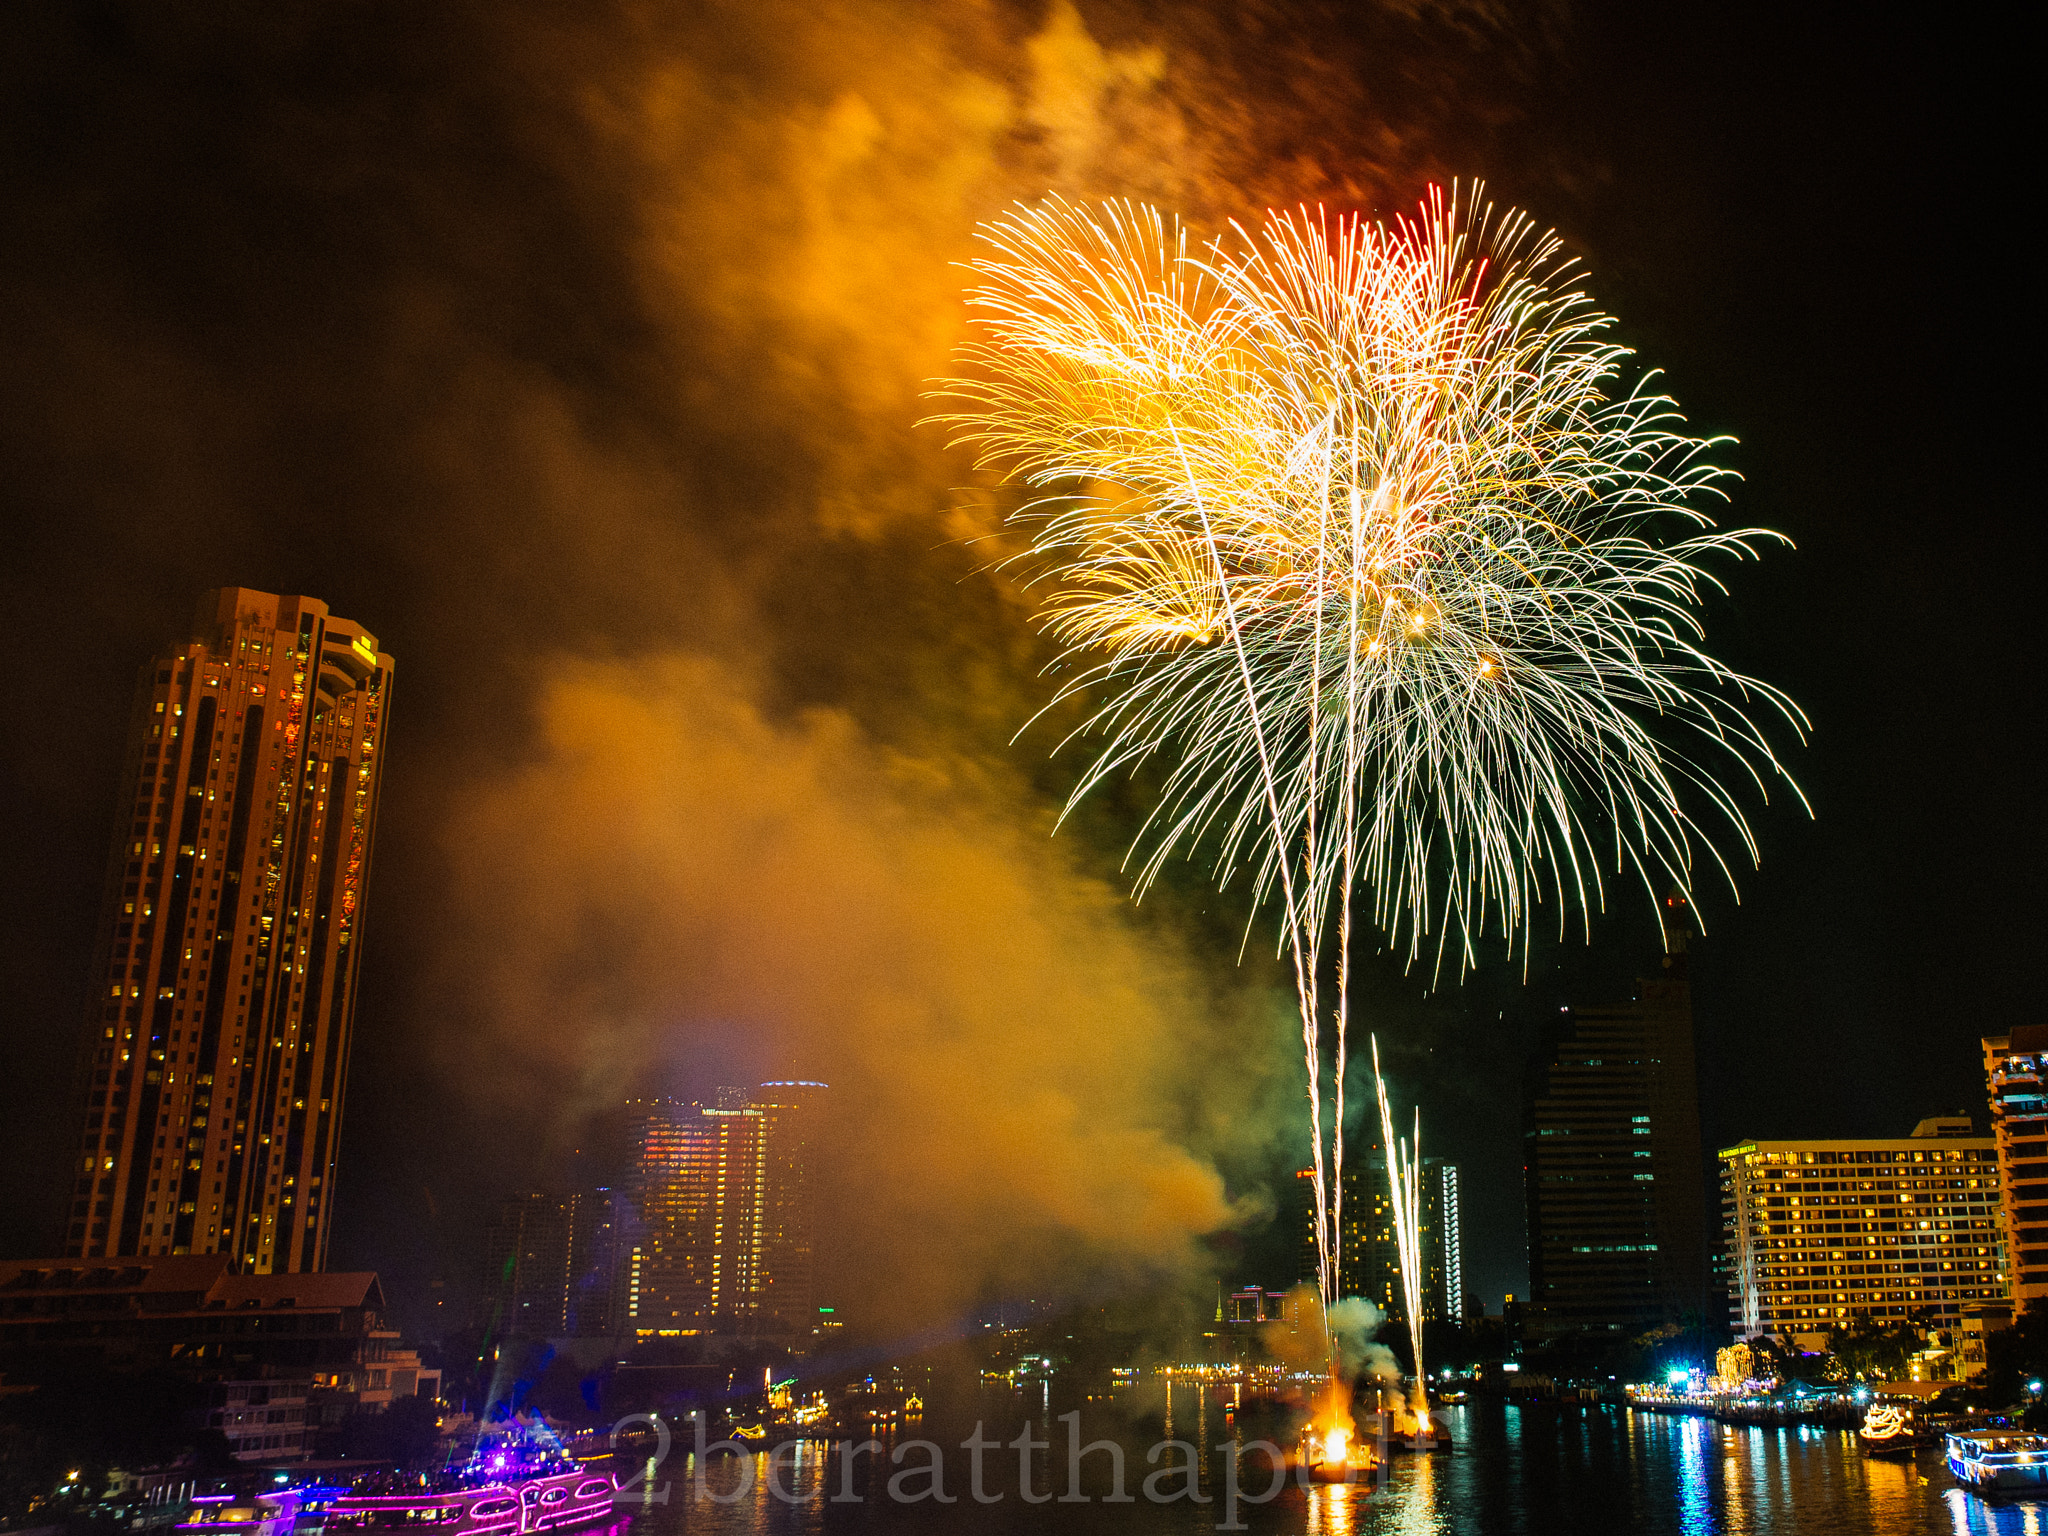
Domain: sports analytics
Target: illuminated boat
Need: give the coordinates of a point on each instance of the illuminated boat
(1998, 1460)
(506, 1497)
(222, 1514)
(1889, 1429)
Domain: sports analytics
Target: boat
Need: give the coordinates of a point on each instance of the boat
(1334, 1455)
(222, 1514)
(503, 1491)
(1890, 1429)
(1998, 1460)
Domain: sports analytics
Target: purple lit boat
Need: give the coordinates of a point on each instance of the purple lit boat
(500, 1494)
(221, 1514)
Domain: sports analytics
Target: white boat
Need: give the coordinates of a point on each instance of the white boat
(1998, 1460)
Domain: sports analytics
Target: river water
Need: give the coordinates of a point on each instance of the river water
(1514, 1471)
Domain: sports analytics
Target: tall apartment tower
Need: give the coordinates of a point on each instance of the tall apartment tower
(2016, 1070)
(1368, 1253)
(722, 1238)
(551, 1264)
(1613, 1165)
(216, 1054)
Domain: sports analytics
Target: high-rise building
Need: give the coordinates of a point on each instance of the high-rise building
(1613, 1163)
(789, 1113)
(2016, 1069)
(722, 1236)
(216, 1056)
(1821, 1233)
(1369, 1255)
(597, 1221)
(551, 1264)
(1450, 1245)
(526, 1253)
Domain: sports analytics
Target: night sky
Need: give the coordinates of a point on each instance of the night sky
(575, 351)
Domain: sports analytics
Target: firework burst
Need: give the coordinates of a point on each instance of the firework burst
(1357, 527)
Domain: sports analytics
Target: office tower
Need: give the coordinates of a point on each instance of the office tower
(657, 1289)
(723, 1237)
(1821, 1233)
(2015, 1067)
(216, 1058)
(1369, 1256)
(1613, 1165)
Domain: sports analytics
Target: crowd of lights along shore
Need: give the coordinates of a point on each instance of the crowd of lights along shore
(1362, 531)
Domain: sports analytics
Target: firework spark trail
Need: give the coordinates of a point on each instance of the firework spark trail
(1404, 1179)
(1354, 527)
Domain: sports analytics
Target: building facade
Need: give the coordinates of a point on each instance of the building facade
(722, 1235)
(215, 1062)
(1821, 1233)
(1368, 1254)
(1613, 1164)
(2016, 1070)
(552, 1264)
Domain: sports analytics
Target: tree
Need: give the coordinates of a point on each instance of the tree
(1872, 1351)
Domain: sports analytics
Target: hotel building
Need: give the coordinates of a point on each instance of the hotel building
(1821, 1233)
(2016, 1068)
(216, 1053)
(723, 1237)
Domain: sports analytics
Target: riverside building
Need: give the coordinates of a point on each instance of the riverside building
(1821, 1233)
(1369, 1255)
(2016, 1069)
(1613, 1164)
(214, 1065)
(722, 1236)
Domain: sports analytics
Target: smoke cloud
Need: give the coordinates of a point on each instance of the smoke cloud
(675, 873)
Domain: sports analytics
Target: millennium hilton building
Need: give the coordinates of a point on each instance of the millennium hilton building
(1614, 1167)
(2016, 1068)
(216, 1050)
(721, 1207)
(1824, 1232)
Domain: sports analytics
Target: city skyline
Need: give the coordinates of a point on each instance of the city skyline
(527, 437)
(697, 1224)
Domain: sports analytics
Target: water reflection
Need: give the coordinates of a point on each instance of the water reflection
(1543, 1471)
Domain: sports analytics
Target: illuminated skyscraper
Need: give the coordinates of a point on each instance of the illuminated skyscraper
(216, 1057)
(1370, 1257)
(1615, 1171)
(722, 1197)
